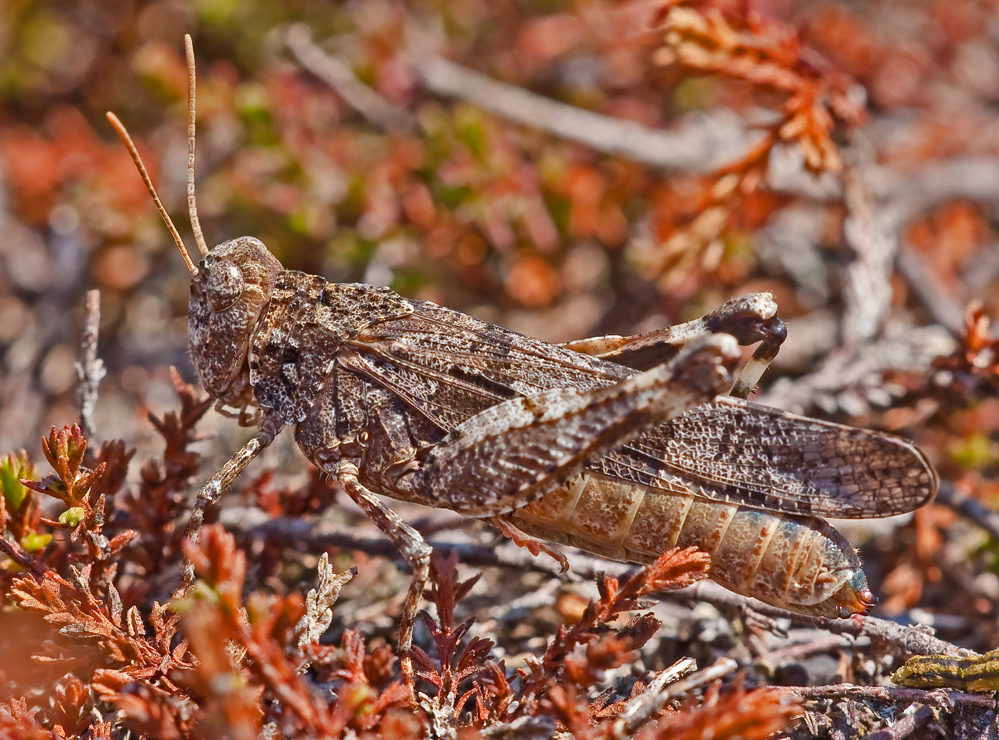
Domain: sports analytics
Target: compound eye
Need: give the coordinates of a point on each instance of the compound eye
(224, 286)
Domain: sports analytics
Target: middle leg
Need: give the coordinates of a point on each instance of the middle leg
(411, 546)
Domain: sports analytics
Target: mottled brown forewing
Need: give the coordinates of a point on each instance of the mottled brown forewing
(449, 366)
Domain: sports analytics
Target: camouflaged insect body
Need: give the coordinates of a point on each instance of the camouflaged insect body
(433, 406)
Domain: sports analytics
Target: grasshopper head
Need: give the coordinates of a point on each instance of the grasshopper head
(228, 294)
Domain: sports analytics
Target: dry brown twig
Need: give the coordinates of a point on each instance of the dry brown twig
(89, 368)
(341, 78)
(903, 639)
(896, 694)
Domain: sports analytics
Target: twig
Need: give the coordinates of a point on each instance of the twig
(16, 553)
(905, 639)
(90, 368)
(973, 178)
(905, 727)
(872, 234)
(909, 640)
(721, 667)
(941, 307)
(850, 375)
(800, 651)
(935, 697)
(701, 145)
(654, 698)
(651, 701)
(910, 192)
(969, 508)
(323, 535)
(341, 78)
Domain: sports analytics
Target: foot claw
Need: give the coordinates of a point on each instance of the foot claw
(522, 539)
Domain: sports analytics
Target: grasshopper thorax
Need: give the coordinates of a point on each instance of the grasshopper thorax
(228, 295)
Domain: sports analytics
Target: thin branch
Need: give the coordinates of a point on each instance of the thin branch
(934, 697)
(973, 178)
(905, 727)
(908, 639)
(317, 536)
(797, 653)
(910, 192)
(647, 705)
(902, 638)
(701, 144)
(905, 639)
(850, 375)
(90, 368)
(970, 508)
(872, 234)
(341, 78)
(925, 286)
(17, 553)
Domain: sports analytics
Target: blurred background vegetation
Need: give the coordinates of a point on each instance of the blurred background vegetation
(843, 155)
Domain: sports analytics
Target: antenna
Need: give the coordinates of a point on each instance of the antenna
(192, 204)
(130, 145)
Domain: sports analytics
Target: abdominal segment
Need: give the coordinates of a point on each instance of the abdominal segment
(797, 563)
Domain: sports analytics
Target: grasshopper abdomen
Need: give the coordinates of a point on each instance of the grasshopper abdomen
(796, 563)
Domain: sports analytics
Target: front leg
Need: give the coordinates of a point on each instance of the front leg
(750, 318)
(219, 484)
(515, 452)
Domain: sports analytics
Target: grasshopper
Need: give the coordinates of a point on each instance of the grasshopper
(622, 446)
